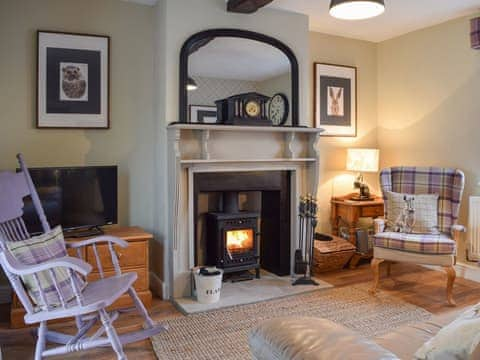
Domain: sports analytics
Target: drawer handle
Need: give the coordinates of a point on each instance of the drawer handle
(119, 254)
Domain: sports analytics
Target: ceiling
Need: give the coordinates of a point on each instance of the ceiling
(239, 59)
(400, 17)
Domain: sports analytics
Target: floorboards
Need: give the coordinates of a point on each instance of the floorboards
(414, 284)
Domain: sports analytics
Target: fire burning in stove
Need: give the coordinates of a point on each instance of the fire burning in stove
(240, 240)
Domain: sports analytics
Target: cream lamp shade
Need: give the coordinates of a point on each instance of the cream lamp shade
(362, 160)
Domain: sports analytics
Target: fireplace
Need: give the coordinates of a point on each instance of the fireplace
(232, 237)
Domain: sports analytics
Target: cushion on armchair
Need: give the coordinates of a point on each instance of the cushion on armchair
(417, 243)
(412, 213)
(37, 250)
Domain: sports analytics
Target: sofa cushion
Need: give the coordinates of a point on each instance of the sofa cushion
(458, 340)
(421, 216)
(304, 338)
(39, 249)
(418, 243)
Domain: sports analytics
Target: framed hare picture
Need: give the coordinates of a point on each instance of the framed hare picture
(72, 80)
(336, 99)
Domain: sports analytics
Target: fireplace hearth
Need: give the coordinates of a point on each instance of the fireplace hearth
(232, 237)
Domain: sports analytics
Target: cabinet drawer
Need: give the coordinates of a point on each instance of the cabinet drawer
(372, 211)
(133, 255)
(140, 284)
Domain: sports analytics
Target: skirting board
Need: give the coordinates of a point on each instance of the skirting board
(157, 286)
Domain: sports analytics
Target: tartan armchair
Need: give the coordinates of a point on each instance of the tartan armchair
(425, 249)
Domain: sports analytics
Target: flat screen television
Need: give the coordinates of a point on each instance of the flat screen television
(74, 197)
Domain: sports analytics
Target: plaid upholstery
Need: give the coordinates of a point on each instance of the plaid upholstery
(37, 250)
(418, 243)
(447, 183)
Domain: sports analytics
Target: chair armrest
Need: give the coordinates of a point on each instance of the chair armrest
(16, 267)
(379, 225)
(457, 231)
(99, 239)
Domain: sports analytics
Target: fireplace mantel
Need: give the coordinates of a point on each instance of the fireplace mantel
(200, 148)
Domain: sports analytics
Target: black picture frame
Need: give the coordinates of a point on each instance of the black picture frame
(203, 114)
(73, 80)
(196, 40)
(335, 99)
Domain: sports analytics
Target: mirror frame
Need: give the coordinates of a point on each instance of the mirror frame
(189, 46)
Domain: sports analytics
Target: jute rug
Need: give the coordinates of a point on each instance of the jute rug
(223, 334)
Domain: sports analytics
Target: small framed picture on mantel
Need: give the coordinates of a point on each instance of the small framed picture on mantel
(336, 99)
(72, 80)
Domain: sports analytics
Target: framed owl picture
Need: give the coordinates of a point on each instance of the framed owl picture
(72, 80)
(336, 99)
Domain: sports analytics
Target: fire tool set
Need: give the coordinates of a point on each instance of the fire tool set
(307, 216)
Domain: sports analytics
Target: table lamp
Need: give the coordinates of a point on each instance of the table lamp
(362, 160)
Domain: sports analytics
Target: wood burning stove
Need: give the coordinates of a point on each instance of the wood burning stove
(232, 237)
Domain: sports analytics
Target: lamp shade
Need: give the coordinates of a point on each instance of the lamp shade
(356, 9)
(362, 160)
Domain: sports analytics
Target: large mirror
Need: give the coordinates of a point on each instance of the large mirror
(238, 77)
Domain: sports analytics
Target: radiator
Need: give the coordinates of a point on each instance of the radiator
(473, 243)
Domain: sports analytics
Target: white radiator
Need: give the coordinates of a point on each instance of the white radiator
(473, 244)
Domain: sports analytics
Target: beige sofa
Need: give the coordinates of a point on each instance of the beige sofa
(315, 338)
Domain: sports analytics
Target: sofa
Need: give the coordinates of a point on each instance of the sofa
(305, 338)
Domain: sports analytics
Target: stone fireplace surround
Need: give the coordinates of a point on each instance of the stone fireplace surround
(200, 148)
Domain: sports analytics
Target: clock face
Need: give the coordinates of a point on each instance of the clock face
(278, 109)
(252, 108)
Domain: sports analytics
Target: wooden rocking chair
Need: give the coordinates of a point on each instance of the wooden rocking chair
(88, 304)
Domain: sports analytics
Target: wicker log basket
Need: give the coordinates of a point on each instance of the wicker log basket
(331, 255)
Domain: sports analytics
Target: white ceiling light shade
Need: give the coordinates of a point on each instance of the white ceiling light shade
(356, 9)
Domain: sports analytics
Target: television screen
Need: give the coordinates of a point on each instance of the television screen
(74, 197)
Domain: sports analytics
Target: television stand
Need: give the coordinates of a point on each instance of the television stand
(79, 233)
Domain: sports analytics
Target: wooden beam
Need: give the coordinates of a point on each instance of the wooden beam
(246, 6)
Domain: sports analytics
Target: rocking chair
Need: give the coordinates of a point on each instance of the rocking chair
(88, 300)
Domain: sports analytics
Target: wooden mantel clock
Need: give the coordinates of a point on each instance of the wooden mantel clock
(244, 109)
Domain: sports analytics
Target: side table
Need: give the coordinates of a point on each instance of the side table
(344, 210)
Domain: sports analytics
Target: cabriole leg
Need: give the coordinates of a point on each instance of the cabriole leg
(451, 275)
(375, 264)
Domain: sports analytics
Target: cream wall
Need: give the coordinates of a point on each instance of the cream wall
(428, 102)
(334, 180)
(129, 142)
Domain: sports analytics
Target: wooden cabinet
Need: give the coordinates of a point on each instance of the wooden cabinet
(134, 258)
(348, 212)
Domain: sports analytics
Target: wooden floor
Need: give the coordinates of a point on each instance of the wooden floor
(414, 284)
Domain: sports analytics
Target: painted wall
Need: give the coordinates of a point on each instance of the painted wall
(428, 108)
(129, 142)
(334, 180)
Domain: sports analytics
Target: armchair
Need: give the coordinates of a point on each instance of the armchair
(425, 249)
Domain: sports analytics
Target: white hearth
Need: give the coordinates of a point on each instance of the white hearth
(199, 148)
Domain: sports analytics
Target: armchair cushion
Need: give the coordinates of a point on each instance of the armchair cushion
(417, 243)
(412, 213)
(39, 249)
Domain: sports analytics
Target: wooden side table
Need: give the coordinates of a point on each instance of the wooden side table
(349, 212)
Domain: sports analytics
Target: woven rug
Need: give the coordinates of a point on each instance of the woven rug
(223, 334)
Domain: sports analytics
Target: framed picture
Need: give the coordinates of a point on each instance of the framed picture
(72, 80)
(336, 99)
(203, 114)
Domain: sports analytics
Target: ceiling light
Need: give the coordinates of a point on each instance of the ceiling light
(191, 84)
(356, 9)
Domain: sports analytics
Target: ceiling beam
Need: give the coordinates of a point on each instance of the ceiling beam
(246, 6)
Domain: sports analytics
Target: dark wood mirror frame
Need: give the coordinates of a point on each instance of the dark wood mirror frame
(191, 45)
